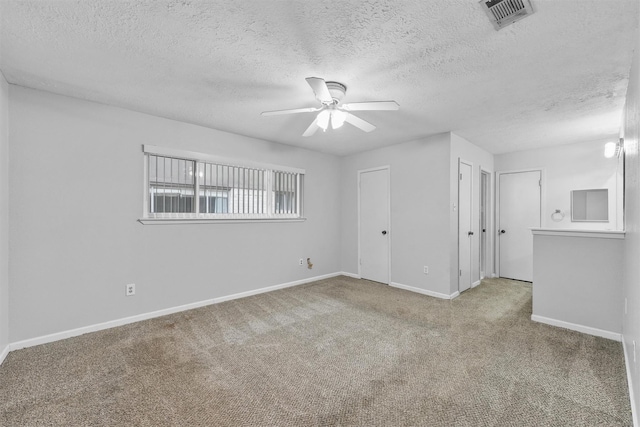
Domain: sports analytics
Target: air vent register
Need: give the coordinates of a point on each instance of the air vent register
(505, 12)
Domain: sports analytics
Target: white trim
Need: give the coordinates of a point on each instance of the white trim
(150, 315)
(489, 252)
(145, 186)
(476, 283)
(192, 155)
(389, 231)
(634, 410)
(462, 161)
(424, 291)
(579, 328)
(599, 234)
(164, 221)
(4, 353)
(389, 228)
(353, 275)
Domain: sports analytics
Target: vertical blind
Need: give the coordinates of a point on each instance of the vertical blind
(231, 189)
(223, 191)
(285, 188)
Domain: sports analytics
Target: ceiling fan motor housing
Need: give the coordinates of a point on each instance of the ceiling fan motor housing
(337, 91)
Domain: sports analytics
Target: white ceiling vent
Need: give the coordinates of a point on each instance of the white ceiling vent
(505, 12)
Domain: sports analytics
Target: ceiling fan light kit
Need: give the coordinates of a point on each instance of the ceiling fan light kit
(337, 118)
(323, 119)
(330, 95)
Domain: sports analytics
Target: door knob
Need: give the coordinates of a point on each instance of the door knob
(502, 231)
(384, 232)
(470, 233)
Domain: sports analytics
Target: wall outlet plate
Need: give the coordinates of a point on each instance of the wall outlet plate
(301, 262)
(426, 269)
(130, 289)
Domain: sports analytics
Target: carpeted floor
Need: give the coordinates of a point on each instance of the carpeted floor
(339, 351)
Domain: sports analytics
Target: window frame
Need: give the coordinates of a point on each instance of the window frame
(197, 217)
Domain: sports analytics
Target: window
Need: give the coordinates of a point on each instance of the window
(226, 190)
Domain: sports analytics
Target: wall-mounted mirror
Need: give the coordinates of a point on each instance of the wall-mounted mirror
(590, 205)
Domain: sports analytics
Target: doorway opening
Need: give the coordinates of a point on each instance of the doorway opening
(485, 215)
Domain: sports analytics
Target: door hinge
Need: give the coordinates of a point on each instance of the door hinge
(460, 177)
(460, 272)
(539, 183)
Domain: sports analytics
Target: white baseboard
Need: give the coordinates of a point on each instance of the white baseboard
(355, 276)
(579, 328)
(634, 410)
(476, 283)
(3, 354)
(424, 291)
(263, 290)
(145, 316)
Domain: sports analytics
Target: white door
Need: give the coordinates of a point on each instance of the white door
(374, 225)
(519, 206)
(465, 230)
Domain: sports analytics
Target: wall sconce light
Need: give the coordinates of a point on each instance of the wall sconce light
(614, 149)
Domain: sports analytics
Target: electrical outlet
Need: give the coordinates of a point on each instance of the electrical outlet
(426, 269)
(301, 262)
(130, 289)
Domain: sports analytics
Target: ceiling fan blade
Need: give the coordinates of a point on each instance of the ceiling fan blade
(321, 90)
(374, 105)
(293, 111)
(313, 127)
(359, 123)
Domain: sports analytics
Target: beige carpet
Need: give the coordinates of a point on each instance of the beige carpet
(335, 352)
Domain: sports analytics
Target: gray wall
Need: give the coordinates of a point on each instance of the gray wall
(481, 160)
(4, 214)
(424, 225)
(419, 211)
(578, 280)
(76, 191)
(631, 272)
(571, 167)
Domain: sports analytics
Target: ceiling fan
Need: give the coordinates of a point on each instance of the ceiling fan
(330, 95)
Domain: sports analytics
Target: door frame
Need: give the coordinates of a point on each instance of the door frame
(389, 231)
(471, 222)
(489, 266)
(497, 205)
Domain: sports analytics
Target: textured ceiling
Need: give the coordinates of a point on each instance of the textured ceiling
(556, 77)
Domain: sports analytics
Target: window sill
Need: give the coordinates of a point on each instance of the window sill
(180, 221)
